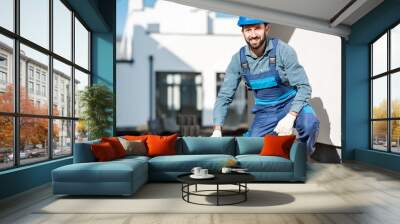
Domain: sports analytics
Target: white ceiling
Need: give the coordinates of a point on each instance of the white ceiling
(321, 9)
(316, 15)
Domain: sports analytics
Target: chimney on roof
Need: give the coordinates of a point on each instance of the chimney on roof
(136, 5)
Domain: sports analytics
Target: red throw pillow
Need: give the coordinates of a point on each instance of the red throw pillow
(103, 151)
(116, 145)
(161, 145)
(136, 137)
(277, 145)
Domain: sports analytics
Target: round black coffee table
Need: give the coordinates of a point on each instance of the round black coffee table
(238, 179)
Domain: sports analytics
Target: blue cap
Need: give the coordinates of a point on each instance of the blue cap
(249, 21)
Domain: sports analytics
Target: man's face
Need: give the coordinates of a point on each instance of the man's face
(255, 35)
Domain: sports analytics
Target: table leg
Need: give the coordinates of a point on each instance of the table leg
(196, 188)
(182, 188)
(245, 193)
(217, 194)
(188, 189)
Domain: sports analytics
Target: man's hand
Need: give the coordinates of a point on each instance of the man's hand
(285, 126)
(217, 131)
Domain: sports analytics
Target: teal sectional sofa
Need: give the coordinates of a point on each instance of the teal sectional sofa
(125, 176)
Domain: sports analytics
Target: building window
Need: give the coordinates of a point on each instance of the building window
(56, 129)
(38, 89)
(3, 72)
(178, 94)
(37, 75)
(385, 94)
(30, 87)
(30, 73)
(43, 90)
(3, 78)
(3, 61)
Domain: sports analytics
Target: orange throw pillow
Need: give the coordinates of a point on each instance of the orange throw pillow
(277, 145)
(136, 137)
(161, 145)
(103, 151)
(116, 145)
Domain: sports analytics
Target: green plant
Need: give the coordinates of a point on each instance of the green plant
(96, 102)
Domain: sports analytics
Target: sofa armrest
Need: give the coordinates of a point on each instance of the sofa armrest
(83, 152)
(298, 157)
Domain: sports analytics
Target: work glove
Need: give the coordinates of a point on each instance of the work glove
(217, 133)
(285, 125)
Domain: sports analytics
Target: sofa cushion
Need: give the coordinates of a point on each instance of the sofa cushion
(257, 163)
(185, 163)
(275, 145)
(116, 145)
(161, 145)
(249, 145)
(135, 137)
(103, 152)
(206, 145)
(83, 152)
(131, 158)
(134, 147)
(111, 171)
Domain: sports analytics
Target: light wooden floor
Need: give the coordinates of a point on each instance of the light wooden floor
(379, 189)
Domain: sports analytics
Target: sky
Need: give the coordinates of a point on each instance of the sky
(122, 12)
(122, 8)
(6, 13)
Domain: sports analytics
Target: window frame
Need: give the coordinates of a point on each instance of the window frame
(388, 74)
(158, 85)
(16, 114)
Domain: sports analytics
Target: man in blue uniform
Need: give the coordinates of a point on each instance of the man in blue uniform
(279, 83)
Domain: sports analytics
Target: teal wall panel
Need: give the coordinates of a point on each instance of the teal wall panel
(102, 59)
(103, 63)
(103, 53)
(24, 178)
(379, 159)
(357, 101)
(355, 140)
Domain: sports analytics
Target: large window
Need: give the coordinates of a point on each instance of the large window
(44, 64)
(385, 92)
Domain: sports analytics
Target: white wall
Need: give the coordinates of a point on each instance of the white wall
(320, 55)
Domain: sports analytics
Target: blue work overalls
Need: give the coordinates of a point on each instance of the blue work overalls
(273, 100)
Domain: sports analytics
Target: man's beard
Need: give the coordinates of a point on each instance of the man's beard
(257, 45)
